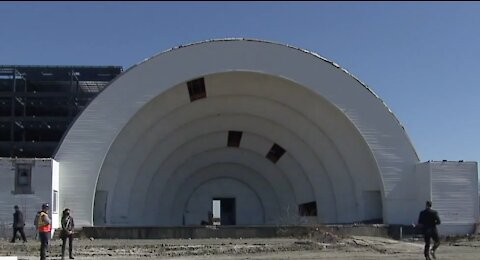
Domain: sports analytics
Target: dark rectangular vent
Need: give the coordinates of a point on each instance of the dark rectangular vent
(196, 89)
(23, 179)
(275, 153)
(308, 209)
(234, 138)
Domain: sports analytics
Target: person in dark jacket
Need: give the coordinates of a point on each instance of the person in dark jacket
(18, 224)
(428, 221)
(35, 223)
(67, 232)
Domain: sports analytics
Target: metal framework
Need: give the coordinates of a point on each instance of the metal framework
(38, 103)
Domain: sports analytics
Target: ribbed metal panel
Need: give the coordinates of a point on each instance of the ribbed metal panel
(29, 203)
(454, 191)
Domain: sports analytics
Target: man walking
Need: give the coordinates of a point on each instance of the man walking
(35, 223)
(428, 221)
(18, 224)
(44, 228)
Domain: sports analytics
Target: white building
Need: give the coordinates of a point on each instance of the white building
(277, 134)
(28, 183)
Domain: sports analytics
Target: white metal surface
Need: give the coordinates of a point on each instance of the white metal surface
(339, 136)
(453, 189)
(455, 193)
(43, 182)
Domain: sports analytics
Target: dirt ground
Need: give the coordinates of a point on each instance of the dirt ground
(321, 246)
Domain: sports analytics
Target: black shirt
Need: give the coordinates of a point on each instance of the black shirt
(18, 220)
(67, 223)
(428, 218)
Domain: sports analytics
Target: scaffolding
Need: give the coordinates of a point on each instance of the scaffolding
(38, 103)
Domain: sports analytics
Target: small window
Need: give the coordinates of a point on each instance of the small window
(55, 201)
(234, 138)
(308, 209)
(196, 89)
(23, 179)
(275, 153)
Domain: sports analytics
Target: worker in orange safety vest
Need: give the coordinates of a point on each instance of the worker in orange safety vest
(44, 229)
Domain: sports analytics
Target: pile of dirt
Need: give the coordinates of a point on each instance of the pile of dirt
(173, 248)
(325, 237)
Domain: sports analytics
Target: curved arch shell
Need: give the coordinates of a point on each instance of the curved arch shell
(144, 142)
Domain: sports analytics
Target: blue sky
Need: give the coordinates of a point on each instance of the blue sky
(421, 58)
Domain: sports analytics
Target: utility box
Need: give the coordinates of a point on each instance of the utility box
(452, 186)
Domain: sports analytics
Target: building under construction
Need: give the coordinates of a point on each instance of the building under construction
(38, 103)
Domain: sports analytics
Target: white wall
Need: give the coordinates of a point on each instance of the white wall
(423, 186)
(454, 194)
(42, 182)
(452, 187)
(56, 187)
